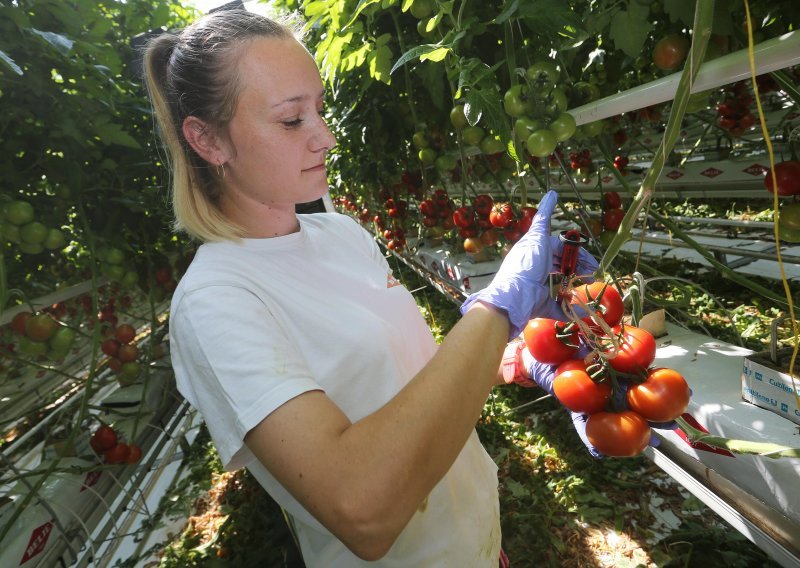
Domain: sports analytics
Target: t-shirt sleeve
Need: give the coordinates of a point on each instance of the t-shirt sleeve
(234, 363)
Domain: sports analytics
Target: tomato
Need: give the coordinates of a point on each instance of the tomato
(473, 245)
(602, 299)
(33, 232)
(125, 333)
(127, 353)
(525, 126)
(501, 215)
(40, 327)
(457, 117)
(464, 216)
(473, 135)
(525, 220)
(492, 145)
(787, 175)
(427, 156)
(515, 101)
(543, 73)
(18, 322)
(134, 454)
(104, 438)
(612, 218)
(110, 347)
(563, 126)
(789, 216)
(548, 342)
(62, 339)
(18, 212)
(129, 372)
(490, 237)
(428, 208)
(670, 52)
(618, 434)
(117, 454)
(663, 396)
(541, 143)
(637, 349)
(594, 226)
(421, 8)
(612, 200)
(483, 204)
(576, 390)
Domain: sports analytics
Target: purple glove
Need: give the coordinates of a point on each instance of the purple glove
(520, 287)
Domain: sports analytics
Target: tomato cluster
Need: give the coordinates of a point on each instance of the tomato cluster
(20, 227)
(734, 111)
(615, 384)
(106, 443)
(122, 353)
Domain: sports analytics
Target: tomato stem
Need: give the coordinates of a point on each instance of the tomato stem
(765, 449)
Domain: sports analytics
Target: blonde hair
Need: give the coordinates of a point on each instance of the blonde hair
(192, 73)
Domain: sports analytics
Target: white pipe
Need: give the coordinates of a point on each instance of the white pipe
(771, 55)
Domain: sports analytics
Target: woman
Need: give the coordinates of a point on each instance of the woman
(310, 364)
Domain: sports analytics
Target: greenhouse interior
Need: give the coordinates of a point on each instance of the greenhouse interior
(200, 364)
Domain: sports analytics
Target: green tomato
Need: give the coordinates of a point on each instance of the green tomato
(525, 126)
(114, 256)
(542, 143)
(789, 218)
(33, 348)
(473, 135)
(11, 233)
(55, 240)
(564, 126)
(586, 92)
(427, 156)
(445, 163)
(130, 279)
(593, 129)
(420, 140)
(556, 102)
(112, 271)
(33, 232)
(19, 212)
(458, 118)
(62, 339)
(422, 8)
(492, 145)
(31, 248)
(515, 101)
(543, 73)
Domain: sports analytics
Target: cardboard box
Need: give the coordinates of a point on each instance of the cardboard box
(768, 384)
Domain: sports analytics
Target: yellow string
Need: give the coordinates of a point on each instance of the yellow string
(787, 290)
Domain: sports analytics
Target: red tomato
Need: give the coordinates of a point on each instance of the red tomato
(637, 350)
(612, 200)
(464, 217)
(576, 390)
(125, 333)
(127, 353)
(618, 434)
(134, 454)
(18, 322)
(117, 454)
(103, 439)
(547, 341)
(490, 237)
(788, 177)
(40, 327)
(527, 214)
(501, 215)
(110, 347)
(662, 397)
(612, 219)
(604, 301)
(670, 52)
(428, 208)
(483, 204)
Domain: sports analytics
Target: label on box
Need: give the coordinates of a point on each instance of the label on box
(770, 388)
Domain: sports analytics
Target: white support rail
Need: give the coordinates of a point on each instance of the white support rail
(771, 55)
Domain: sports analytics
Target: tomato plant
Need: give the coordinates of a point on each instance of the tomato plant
(550, 341)
(663, 396)
(618, 434)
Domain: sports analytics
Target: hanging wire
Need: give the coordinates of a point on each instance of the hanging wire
(770, 151)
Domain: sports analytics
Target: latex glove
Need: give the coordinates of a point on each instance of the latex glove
(520, 287)
(543, 375)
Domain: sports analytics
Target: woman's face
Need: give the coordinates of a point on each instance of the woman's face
(277, 138)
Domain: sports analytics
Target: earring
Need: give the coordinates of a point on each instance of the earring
(222, 167)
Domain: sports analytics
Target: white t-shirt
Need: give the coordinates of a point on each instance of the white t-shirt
(256, 323)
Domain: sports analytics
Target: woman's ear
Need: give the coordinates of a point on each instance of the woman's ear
(205, 141)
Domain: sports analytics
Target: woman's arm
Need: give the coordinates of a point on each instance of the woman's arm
(364, 480)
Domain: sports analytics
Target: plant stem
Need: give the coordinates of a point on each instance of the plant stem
(765, 449)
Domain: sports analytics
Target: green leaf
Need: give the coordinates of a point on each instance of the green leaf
(485, 102)
(112, 133)
(407, 5)
(380, 61)
(436, 55)
(414, 53)
(507, 13)
(60, 42)
(680, 11)
(361, 5)
(628, 32)
(10, 62)
(548, 17)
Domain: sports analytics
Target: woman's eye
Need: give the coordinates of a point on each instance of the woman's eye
(293, 123)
